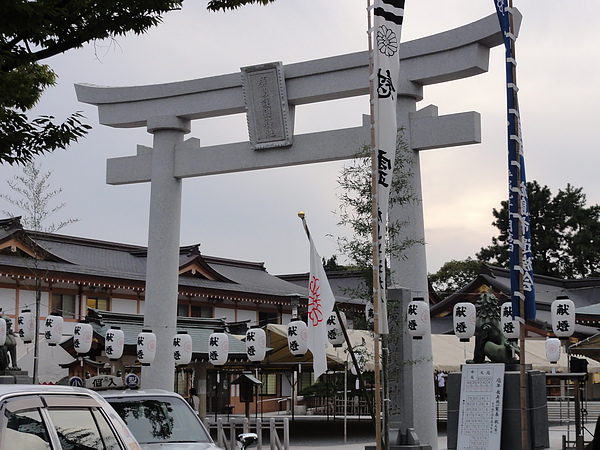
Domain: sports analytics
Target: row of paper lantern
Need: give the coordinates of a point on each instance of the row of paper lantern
(218, 351)
(563, 319)
(417, 317)
(297, 334)
(114, 339)
(563, 323)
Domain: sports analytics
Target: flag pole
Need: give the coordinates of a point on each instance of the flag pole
(520, 239)
(376, 262)
(361, 379)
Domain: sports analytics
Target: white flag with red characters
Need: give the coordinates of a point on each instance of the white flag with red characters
(320, 307)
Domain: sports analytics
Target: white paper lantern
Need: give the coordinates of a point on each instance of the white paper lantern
(510, 328)
(335, 335)
(53, 329)
(2, 331)
(553, 350)
(83, 335)
(114, 343)
(256, 344)
(417, 319)
(218, 348)
(563, 317)
(369, 312)
(146, 347)
(465, 319)
(182, 348)
(26, 321)
(297, 337)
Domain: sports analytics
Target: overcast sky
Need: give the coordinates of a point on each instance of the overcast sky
(253, 216)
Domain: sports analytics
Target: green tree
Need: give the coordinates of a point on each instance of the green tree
(355, 212)
(222, 5)
(454, 275)
(34, 31)
(564, 233)
(34, 198)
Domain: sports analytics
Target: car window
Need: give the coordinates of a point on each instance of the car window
(25, 430)
(156, 419)
(83, 429)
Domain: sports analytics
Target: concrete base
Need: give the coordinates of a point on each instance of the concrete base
(405, 441)
(537, 411)
(15, 377)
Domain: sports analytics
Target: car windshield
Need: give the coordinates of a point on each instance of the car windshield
(157, 419)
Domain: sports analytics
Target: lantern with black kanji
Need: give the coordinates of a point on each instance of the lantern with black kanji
(510, 327)
(182, 348)
(53, 329)
(256, 344)
(2, 331)
(26, 321)
(417, 318)
(218, 348)
(297, 332)
(146, 347)
(563, 317)
(465, 318)
(83, 335)
(114, 343)
(553, 350)
(335, 335)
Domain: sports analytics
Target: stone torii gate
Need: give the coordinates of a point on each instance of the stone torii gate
(268, 93)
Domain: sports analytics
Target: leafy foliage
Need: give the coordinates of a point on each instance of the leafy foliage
(564, 233)
(318, 389)
(222, 5)
(355, 208)
(454, 275)
(34, 193)
(355, 211)
(34, 31)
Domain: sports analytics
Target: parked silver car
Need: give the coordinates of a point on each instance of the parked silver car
(42, 417)
(160, 419)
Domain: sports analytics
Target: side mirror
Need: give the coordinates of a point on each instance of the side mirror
(246, 440)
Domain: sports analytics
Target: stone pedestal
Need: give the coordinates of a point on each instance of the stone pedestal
(537, 410)
(15, 377)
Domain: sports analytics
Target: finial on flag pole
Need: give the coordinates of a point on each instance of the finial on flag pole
(320, 306)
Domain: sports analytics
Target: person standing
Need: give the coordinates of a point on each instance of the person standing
(441, 380)
(194, 400)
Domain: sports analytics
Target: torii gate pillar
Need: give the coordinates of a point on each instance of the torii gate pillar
(447, 56)
(162, 272)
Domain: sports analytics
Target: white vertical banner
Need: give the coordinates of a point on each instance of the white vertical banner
(388, 16)
(320, 307)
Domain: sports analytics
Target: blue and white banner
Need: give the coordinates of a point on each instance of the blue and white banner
(521, 257)
(388, 16)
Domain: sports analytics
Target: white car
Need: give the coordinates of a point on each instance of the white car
(42, 417)
(160, 419)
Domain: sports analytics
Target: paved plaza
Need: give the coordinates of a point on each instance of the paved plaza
(309, 432)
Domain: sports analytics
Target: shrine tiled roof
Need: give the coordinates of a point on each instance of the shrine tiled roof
(68, 256)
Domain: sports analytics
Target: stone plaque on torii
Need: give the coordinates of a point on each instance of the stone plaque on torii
(268, 93)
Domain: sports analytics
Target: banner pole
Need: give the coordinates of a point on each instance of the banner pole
(522, 315)
(376, 262)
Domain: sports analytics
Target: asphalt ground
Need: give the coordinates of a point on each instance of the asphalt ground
(320, 432)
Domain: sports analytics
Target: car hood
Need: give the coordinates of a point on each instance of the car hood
(180, 446)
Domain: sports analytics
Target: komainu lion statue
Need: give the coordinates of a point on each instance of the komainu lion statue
(490, 342)
(8, 351)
